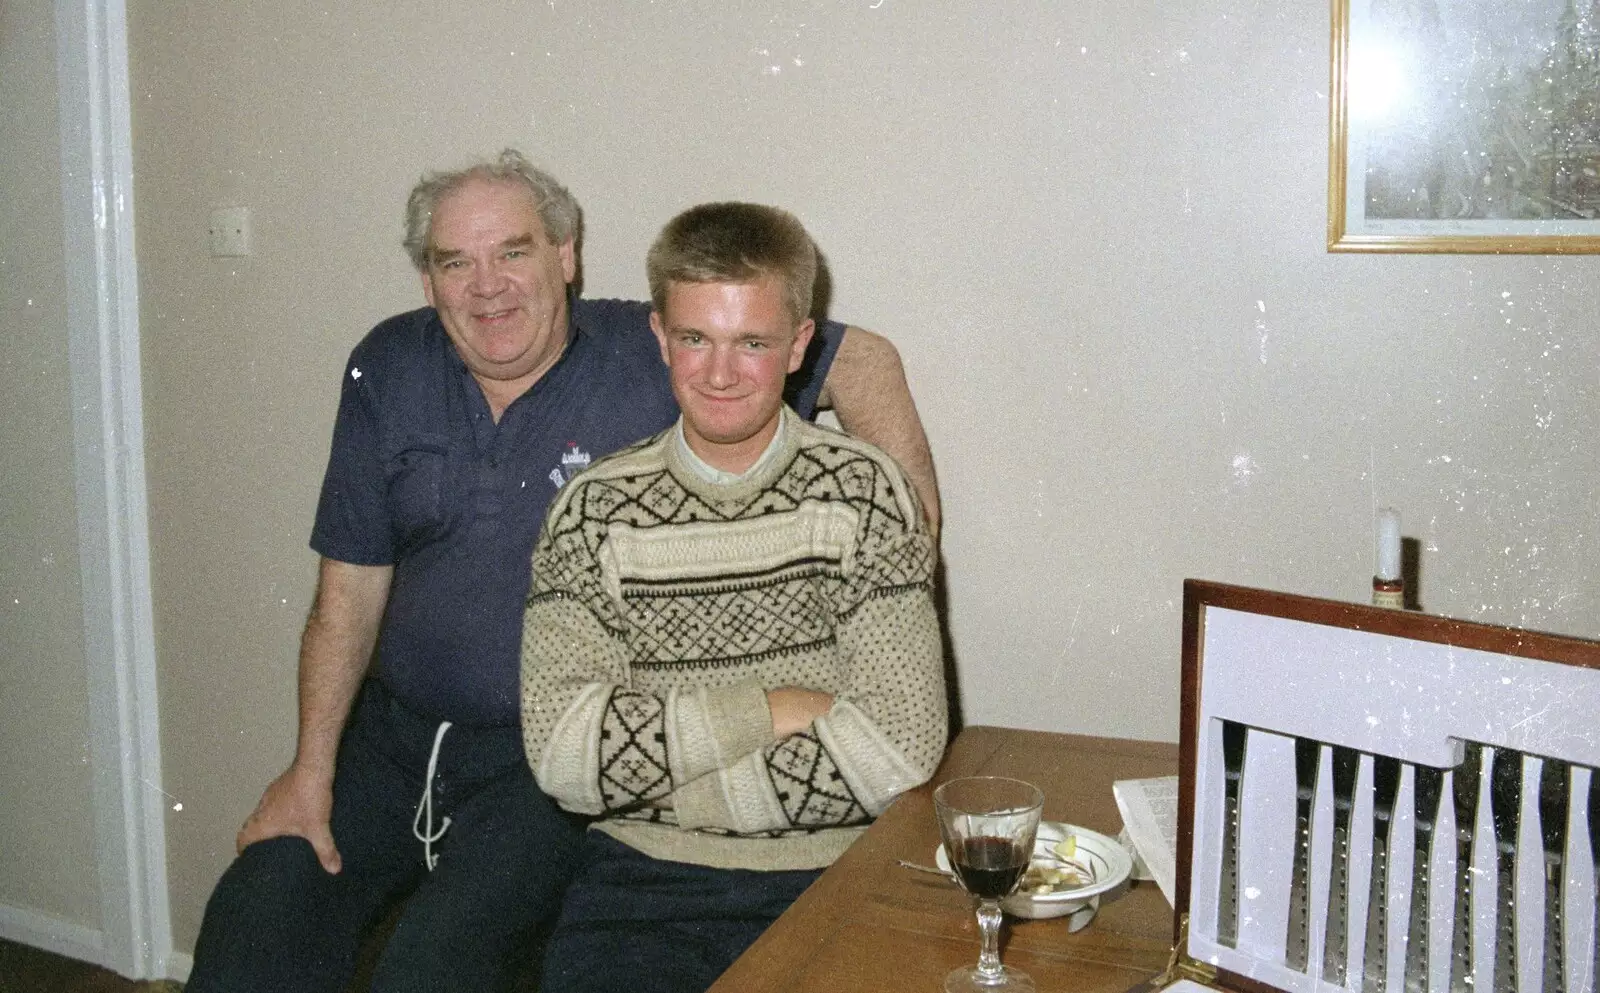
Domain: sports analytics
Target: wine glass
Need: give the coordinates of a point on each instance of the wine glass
(988, 824)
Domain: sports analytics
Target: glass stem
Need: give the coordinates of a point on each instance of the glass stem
(989, 951)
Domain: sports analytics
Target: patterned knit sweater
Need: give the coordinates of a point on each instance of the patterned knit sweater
(663, 607)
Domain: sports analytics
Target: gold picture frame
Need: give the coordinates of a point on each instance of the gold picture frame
(1464, 126)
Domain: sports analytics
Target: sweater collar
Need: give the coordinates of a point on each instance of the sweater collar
(710, 473)
(715, 484)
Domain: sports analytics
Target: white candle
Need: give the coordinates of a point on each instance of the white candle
(1388, 544)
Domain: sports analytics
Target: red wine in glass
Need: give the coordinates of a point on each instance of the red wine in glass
(990, 867)
(988, 825)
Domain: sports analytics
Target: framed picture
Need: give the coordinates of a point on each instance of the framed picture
(1464, 126)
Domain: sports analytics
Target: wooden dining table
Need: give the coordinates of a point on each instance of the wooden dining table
(869, 924)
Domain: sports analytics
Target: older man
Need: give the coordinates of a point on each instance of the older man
(730, 651)
(456, 425)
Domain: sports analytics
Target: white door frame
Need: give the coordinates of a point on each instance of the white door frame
(113, 530)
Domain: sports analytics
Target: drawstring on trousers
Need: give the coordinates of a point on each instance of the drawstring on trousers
(425, 807)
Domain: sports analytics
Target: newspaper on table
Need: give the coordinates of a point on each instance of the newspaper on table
(1150, 820)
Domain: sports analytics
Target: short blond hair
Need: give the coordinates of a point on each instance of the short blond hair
(735, 243)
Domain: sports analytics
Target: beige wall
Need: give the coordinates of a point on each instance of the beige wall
(1095, 231)
(46, 817)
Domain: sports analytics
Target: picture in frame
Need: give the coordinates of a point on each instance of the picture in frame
(1464, 126)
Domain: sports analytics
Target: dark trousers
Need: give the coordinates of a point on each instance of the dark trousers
(278, 922)
(631, 922)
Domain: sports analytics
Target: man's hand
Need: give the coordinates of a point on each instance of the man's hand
(334, 652)
(795, 707)
(296, 803)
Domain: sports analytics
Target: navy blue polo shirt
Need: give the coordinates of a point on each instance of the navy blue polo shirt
(422, 478)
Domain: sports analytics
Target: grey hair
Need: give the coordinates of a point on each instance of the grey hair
(558, 211)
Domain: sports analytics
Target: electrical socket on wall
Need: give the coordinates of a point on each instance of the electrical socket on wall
(228, 232)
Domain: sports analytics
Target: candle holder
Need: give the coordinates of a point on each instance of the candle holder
(1388, 588)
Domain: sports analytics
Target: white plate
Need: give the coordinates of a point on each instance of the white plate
(1110, 862)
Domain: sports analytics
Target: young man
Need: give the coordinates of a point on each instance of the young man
(457, 423)
(730, 654)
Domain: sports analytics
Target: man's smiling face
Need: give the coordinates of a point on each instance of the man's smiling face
(498, 283)
(729, 347)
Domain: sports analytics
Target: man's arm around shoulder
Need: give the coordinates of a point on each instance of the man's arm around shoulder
(866, 387)
(334, 652)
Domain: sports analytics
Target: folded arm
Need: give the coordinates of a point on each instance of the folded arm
(883, 733)
(598, 746)
(718, 757)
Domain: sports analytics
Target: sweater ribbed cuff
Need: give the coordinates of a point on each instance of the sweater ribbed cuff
(700, 803)
(740, 720)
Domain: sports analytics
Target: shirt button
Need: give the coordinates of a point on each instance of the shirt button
(494, 461)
